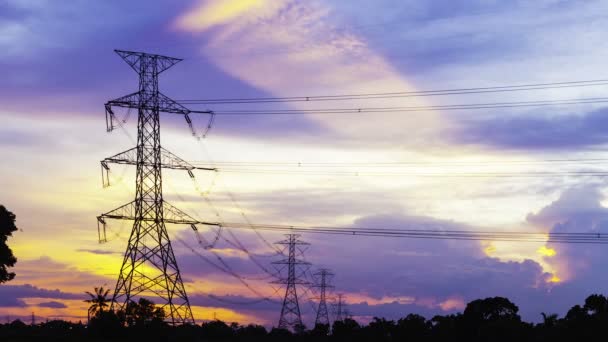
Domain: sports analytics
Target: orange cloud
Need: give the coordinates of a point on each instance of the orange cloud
(452, 304)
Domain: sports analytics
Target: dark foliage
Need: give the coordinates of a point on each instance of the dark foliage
(490, 319)
(7, 259)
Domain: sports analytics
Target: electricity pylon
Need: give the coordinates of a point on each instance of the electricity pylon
(291, 317)
(323, 276)
(341, 311)
(149, 267)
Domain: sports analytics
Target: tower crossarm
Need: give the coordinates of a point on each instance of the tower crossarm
(165, 104)
(287, 262)
(128, 212)
(134, 59)
(177, 216)
(287, 281)
(133, 100)
(295, 243)
(171, 215)
(129, 157)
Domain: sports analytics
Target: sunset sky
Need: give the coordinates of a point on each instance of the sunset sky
(58, 69)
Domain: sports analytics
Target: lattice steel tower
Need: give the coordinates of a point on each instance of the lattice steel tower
(323, 276)
(341, 311)
(149, 267)
(291, 317)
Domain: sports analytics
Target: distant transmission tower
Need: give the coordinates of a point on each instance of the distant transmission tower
(341, 311)
(323, 276)
(149, 267)
(290, 312)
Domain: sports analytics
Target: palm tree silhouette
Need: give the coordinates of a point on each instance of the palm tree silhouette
(549, 320)
(98, 301)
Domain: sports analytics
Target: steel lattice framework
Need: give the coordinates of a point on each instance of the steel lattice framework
(149, 267)
(323, 276)
(291, 317)
(340, 307)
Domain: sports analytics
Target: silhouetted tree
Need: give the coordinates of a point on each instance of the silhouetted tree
(346, 330)
(252, 333)
(596, 305)
(217, 331)
(490, 319)
(380, 329)
(279, 334)
(18, 324)
(491, 309)
(549, 321)
(144, 314)
(299, 329)
(98, 301)
(7, 259)
(320, 330)
(449, 327)
(576, 313)
(493, 319)
(412, 327)
(107, 324)
(550, 329)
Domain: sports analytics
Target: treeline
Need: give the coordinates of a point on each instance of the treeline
(490, 319)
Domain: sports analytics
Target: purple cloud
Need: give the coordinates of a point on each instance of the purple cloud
(536, 131)
(31, 291)
(578, 210)
(97, 251)
(52, 304)
(427, 271)
(6, 301)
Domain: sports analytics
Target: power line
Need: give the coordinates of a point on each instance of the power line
(406, 109)
(399, 163)
(225, 268)
(507, 236)
(421, 174)
(241, 302)
(401, 94)
(237, 205)
(235, 242)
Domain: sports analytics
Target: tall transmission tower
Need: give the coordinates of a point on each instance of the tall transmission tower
(323, 276)
(149, 267)
(291, 317)
(340, 306)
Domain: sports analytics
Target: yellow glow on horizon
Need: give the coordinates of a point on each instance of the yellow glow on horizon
(204, 313)
(76, 310)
